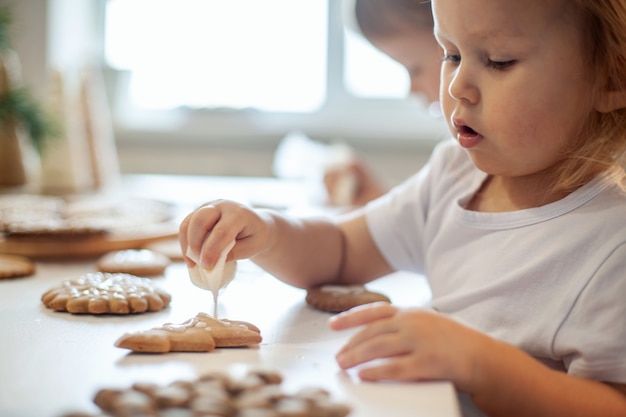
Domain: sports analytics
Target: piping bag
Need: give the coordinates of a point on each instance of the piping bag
(213, 279)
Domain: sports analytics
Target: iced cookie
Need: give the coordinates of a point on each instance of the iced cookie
(141, 262)
(106, 293)
(199, 334)
(168, 247)
(338, 298)
(14, 266)
(253, 394)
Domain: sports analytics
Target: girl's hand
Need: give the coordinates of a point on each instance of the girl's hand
(405, 345)
(211, 227)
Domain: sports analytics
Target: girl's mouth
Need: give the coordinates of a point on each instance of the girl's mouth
(466, 136)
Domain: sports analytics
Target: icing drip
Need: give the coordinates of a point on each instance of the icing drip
(213, 279)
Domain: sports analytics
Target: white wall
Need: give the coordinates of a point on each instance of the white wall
(63, 34)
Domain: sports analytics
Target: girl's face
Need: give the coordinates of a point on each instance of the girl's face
(515, 85)
(418, 52)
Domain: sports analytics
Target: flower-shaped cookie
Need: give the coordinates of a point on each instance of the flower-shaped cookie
(106, 293)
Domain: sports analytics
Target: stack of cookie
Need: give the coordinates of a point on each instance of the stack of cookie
(256, 394)
(33, 215)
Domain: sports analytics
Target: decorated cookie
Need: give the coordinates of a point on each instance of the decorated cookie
(141, 262)
(106, 293)
(14, 266)
(168, 247)
(202, 333)
(338, 298)
(37, 216)
(56, 228)
(252, 394)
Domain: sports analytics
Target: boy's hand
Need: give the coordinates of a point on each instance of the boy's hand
(365, 186)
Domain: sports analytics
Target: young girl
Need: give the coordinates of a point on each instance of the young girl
(402, 30)
(519, 224)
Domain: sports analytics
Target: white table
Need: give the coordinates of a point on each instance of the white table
(52, 363)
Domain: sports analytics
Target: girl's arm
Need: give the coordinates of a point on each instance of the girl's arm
(309, 252)
(511, 383)
(303, 252)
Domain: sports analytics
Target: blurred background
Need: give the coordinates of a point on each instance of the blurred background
(213, 87)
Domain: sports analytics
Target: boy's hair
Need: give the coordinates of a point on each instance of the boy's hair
(602, 144)
(381, 18)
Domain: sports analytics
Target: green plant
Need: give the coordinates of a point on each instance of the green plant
(16, 103)
(5, 21)
(17, 106)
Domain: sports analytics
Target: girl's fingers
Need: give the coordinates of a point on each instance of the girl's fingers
(380, 346)
(199, 226)
(362, 315)
(376, 329)
(400, 368)
(182, 240)
(207, 231)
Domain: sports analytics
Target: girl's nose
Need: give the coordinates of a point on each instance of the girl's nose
(462, 85)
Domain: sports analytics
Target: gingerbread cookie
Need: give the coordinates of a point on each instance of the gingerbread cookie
(253, 394)
(202, 333)
(168, 247)
(338, 298)
(14, 266)
(52, 228)
(37, 216)
(142, 262)
(106, 293)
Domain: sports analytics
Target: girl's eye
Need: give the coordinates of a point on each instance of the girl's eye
(454, 59)
(500, 65)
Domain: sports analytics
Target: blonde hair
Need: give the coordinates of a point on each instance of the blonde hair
(381, 18)
(602, 143)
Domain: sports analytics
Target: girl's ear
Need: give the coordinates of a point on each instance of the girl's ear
(609, 101)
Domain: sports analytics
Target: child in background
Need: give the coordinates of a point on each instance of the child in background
(519, 224)
(403, 30)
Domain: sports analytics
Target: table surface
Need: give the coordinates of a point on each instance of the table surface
(53, 363)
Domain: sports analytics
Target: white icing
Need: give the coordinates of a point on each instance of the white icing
(178, 328)
(134, 256)
(343, 289)
(201, 321)
(105, 285)
(216, 278)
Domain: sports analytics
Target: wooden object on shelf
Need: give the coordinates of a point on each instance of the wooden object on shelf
(50, 248)
(18, 159)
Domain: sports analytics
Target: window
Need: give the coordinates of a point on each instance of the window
(246, 69)
(210, 54)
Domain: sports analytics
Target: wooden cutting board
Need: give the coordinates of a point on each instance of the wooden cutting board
(51, 248)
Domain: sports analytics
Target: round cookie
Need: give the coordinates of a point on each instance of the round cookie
(168, 247)
(14, 266)
(338, 298)
(105, 293)
(142, 262)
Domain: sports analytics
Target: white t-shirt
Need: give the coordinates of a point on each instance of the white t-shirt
(550, 280)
